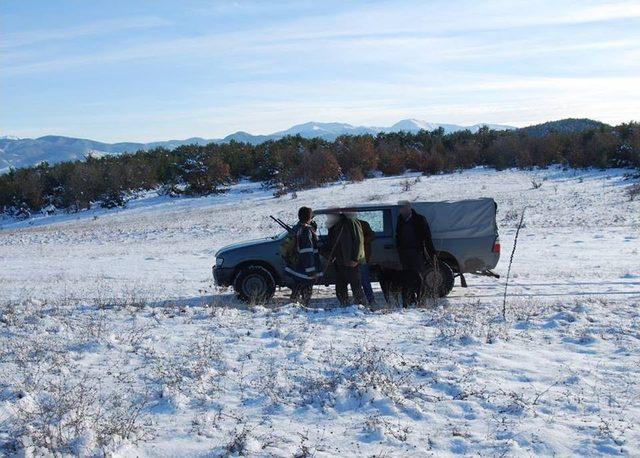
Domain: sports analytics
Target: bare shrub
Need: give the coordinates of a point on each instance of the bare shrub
(359, 373)
(379, 428)
(511, 215)
(237, 446)
(406, 185)
(633, 191)
(134, 336)
(466, 322)
(78, 417)
(192, 372)
(269, 384)
(60, 408)
(536, 184)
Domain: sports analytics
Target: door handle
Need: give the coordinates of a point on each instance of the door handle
(389, 246)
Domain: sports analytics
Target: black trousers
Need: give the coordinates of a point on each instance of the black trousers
(414, 271)
(302, 292)
(349, 276)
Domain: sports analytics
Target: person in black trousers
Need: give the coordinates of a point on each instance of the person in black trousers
(347, 246)
(416, 251)
(307, 268)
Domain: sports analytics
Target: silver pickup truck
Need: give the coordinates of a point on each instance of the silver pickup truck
(465, 235)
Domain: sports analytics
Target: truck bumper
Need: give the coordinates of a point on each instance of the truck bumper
(222, 276)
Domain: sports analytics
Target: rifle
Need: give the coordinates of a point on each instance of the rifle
(282, 224)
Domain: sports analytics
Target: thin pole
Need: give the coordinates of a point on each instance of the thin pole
(513, 251)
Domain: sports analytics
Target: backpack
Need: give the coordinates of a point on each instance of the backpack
(289, 249)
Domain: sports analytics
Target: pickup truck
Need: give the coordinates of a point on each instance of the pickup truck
(465, 235)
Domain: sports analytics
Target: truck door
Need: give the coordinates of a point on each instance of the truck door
(383, 248)
(329, 277)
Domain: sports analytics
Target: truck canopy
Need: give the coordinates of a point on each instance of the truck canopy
(460, 219)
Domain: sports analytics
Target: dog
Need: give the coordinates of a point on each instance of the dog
(392, 282)
(401, 287)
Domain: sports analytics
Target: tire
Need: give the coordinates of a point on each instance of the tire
(440, 280)
(254, 285)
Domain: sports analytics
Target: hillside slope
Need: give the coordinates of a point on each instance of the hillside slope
(111, 318)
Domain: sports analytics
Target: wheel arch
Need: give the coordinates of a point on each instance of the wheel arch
(261, 263)
(450, 259)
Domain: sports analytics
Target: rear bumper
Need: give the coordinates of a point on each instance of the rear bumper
(222, 276)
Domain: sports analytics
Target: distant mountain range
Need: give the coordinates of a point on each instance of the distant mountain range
(24, 152)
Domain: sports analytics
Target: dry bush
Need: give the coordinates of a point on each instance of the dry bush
(191, 373)
(467, 322)
(79, 417)
(633, 191)
(510, 216)
(237, 445)
(378, 428)
(406, 185)
(357, 374)
(59, 408)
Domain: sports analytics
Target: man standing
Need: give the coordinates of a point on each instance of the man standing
(307, 267)
(416, 251)
(365, 275)
(347, 251)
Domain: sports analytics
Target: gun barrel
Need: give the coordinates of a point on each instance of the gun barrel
(282, 224)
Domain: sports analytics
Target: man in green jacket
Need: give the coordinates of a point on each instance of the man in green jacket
(347, 250)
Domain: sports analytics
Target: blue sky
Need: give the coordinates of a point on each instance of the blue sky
(155, 70)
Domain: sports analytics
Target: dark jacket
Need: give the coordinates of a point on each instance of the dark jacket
(368, 235)
(308, 264)
(414, 234)
(346, 241)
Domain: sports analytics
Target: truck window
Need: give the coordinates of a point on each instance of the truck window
(321, 221)
(375, 218)
(379, 220)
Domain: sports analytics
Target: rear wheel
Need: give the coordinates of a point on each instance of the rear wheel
(440, 280)
(254, 285)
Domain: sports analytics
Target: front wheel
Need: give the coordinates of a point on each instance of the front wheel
(254, 285)
(440, 280)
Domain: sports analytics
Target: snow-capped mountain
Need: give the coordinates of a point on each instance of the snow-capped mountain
(326, 130)
(24, 152)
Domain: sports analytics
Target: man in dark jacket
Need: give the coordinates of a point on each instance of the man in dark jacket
(416, 252)
(308, 267)
(346, 243)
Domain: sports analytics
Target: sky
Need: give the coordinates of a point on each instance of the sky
(156, 70)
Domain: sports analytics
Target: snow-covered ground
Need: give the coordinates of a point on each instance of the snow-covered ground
(110, 325)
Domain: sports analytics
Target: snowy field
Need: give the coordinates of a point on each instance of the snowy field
(113, 338)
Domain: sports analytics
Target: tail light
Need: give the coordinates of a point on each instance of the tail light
(496, 246)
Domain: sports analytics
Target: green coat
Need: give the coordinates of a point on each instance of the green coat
(347, 241)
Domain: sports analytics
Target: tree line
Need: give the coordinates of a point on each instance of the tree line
(294, 163)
